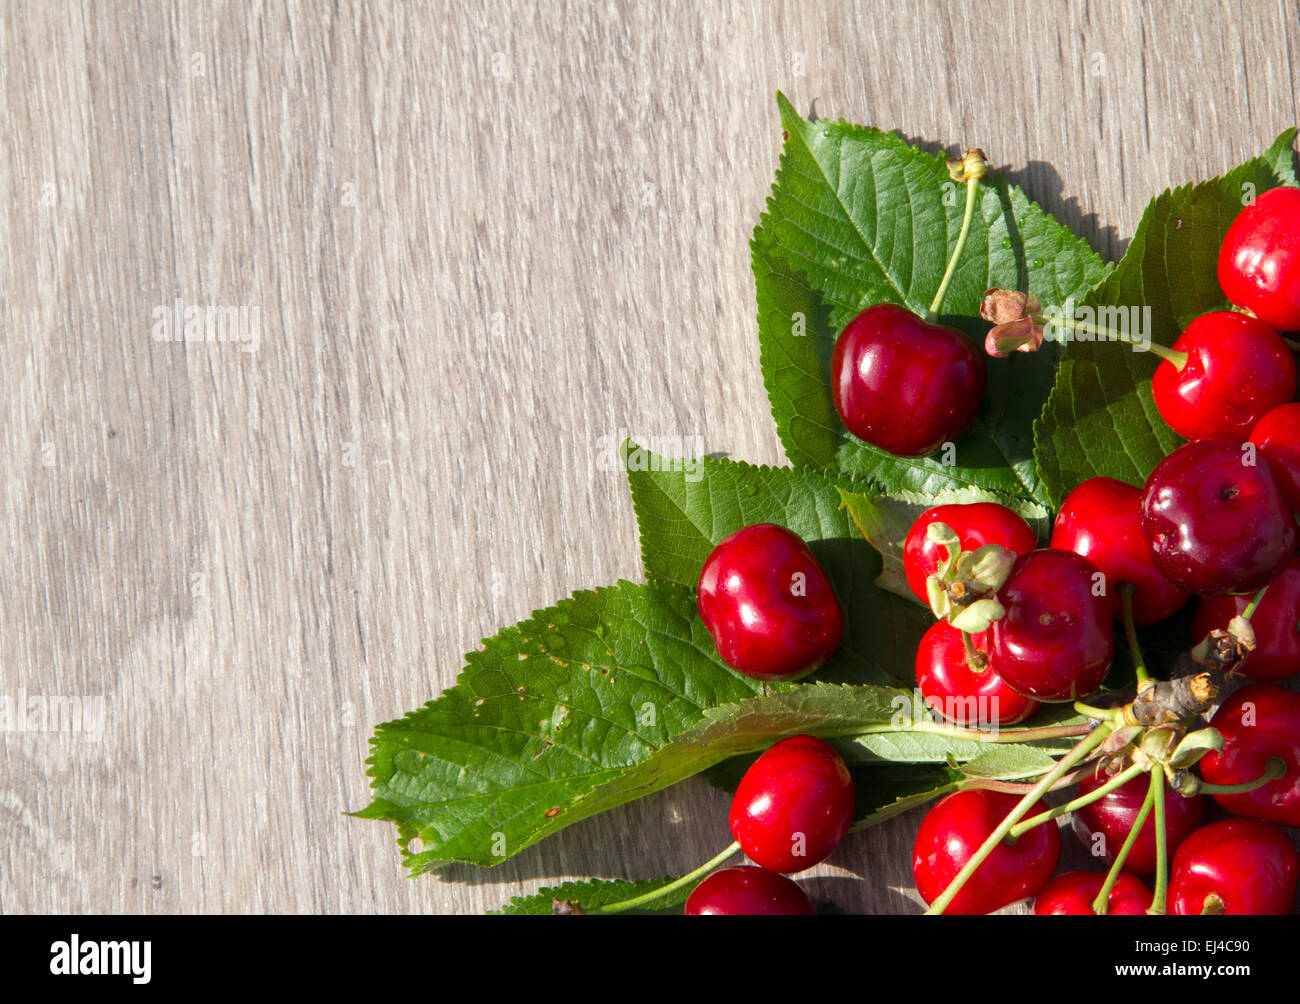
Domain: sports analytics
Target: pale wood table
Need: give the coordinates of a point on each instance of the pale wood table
(479, 240)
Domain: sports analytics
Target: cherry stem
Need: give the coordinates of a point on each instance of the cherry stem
(1130, 631)
(1177, 359)
(1274, 769)
(1102, 903)
(1162, 843)
(975, 659)
(975, 169)
(1044, 817)
(1078, 752)
(1016, 787)
(1212, 905)
(1294, 345)
(1113, 715)
(1254, 603)
(1001, 736)
(673, 886)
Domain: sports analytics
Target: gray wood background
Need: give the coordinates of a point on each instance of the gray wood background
(480, 238)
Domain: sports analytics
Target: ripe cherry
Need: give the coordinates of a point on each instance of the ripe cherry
(1055, 642)
(747, 891)
(954, 689)
(1074, 892)
(903, 384)
(1259, 263)
(793, 806)
(1237, 866)
(1215, 522)
(1276, 623)
(975, 523)
(1278, 437)
(1100, 520)
(768, 605)
(1258, 722)
(953, 831)
(1237, 369)
(1102, 826)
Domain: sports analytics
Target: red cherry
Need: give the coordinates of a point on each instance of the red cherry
(1277, 633)
(1278, 437)
(1237, 866)
(768, 604)
(1216, 523)
(959, 693)
(953, 831)
(746, 891)
(1258, 722)
(1259, 263)
(903, 384)
(1237, 370)
(1055, 642)
(975, 523)
(1113, 816)
(793, 806)
(1100, 520)
(1073, 893)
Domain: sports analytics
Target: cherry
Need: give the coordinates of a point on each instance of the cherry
(768, 604)
(975, 523)
(793, 806)
(1275, 622)
(1259, 263)
(1258, 722)
(748, 891)
(1278, 437)
(1215, 523)
(1237, 866)
(1074, 892)
(971, 698)
(953, 831)
(1237, 370)
(1114, 814)
(1055, 642)
(1101, 520)
(903, 384)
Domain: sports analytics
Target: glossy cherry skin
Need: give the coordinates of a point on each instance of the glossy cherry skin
(1259, 721)
(1278, 437)
(1277, 634)
(971, 699)
(1055, 642)
(746, 891)
(975, 523)
(1250, 866)
(793, 806)
(1100, 520)
(1237, 370)
(1214, 522)
(1113, 816)
(953, 831)
(904, 385)
(768, 605)
(1259, 263)
(1073, 892)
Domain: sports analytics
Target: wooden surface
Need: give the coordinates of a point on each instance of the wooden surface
(481, 237)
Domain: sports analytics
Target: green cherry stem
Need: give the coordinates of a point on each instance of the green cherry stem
(1077, 754)
(1017, 787)
(975, 168)
(671, 887)
(1102, 903)
(975, 659)
(1274, 769)
(1119, 780)
(1177, 359)
(1157, 794)
(1254, 603)
(1115, 716)
(1130, 632)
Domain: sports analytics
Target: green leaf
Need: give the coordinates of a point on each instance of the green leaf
(682, 515)
(885, 520)
(858, 217)
(1101, 419)
(1011, 761)
(593, 894)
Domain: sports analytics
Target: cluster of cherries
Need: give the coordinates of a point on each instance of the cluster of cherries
(1019, 625)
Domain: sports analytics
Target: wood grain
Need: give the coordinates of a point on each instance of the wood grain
(480, 238)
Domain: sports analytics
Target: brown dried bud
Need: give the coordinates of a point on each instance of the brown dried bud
(566, 908)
